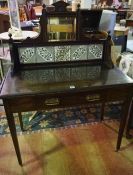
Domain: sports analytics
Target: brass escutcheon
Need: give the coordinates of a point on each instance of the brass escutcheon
(93, 97)
(52, 101)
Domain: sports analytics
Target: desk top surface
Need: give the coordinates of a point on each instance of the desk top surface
(62, 80)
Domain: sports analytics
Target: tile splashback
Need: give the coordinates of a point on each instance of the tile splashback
(60, 53)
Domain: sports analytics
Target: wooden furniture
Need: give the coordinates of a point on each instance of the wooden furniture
(46, 75)
(74, 79)
(61, 26)
(121, 14)
(88, 22)
(129, 23)
(37, 2)
(3, 3)
(38, 11)
(4, 22)
(66, 25)
(130, 121)
(58, 24)
(60, 6)
(87, 27)
(121, 34)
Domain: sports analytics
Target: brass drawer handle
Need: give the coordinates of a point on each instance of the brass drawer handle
(93, 97)
(52, 101)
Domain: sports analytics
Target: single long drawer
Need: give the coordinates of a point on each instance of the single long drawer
(42, 102)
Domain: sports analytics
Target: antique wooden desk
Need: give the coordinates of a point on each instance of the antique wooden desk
(30, 91)
(62, 84)
(46, 75)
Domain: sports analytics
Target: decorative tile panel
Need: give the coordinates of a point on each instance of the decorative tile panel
(27, 55)
(62, 53)
(45, 54)
(95, 51)
(79, 52)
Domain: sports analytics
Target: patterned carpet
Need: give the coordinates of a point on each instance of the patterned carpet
(58, 118)
(53, 149)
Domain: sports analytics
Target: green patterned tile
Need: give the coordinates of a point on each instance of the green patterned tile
(95, 51)
(79, 52)
(62, 53)
(45, 54)
(27, 55)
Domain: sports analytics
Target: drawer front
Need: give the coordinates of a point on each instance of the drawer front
(116, 94)
(42, 102)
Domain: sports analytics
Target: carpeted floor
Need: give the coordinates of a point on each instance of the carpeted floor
(60, 118)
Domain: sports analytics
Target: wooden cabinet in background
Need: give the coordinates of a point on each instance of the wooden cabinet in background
(3, 3)
(4, 23)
